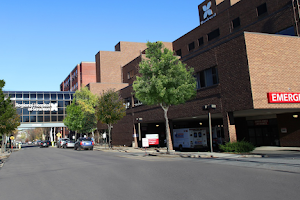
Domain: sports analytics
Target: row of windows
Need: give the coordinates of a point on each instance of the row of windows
(75, 87)
(205, 78)
(73, 77)
(40, 96)
(235, 23)
(128, 104)
(60, 104)
(46, 118)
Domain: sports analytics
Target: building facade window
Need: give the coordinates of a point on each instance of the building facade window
(214, 34)
(137, 102)
(127, 102)
(130, 74)
(200, 41)
(262, 9)
(236, 23)
(191, 46)
(178, 52)
(288, 31)
(206, 78)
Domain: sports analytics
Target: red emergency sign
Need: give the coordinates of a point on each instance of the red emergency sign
(283, 97)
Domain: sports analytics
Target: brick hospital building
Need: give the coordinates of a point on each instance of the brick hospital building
(245, 54)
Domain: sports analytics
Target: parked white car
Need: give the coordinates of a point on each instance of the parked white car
(69, 144)
(61, 142)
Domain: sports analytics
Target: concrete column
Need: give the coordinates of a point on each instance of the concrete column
(229, 127)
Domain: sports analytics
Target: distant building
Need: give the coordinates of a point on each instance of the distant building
(79, 77)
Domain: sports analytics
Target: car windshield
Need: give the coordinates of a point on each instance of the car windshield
(86, 139)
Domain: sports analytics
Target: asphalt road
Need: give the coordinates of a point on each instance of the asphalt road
(63, 174)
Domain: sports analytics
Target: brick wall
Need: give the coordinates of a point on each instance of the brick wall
(109, 63)
(88, 73)
(292, 137)
(274, 67)
(279, 17)
(98, 88)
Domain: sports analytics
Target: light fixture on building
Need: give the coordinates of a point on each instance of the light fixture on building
(157, 125)
(200, 123)
(295, 116)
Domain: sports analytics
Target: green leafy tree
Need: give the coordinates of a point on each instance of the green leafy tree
(110, 109)
(164, 81)
(9, 119)
(81, 112)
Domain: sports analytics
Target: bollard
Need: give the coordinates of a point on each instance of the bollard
(52, 143)
(20, 145)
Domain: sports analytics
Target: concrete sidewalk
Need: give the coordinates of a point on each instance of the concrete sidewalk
(163, 152)
(3, 157)
(266, 151)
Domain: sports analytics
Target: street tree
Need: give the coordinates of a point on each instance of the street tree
(110, 109)
(9, 119)
(164, 80)
(81, 112)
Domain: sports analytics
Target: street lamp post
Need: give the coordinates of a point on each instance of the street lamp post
(209, 108)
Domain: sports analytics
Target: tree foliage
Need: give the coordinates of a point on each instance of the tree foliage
(110, 109)
(164, 81)
(9, 119)
(81, 112)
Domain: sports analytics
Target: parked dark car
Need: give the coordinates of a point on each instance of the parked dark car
(45, 143)
(84, 143)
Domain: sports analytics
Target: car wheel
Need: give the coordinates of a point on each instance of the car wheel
(78, 148)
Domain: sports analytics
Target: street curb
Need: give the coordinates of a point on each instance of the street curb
(163, 153)
(3, 158)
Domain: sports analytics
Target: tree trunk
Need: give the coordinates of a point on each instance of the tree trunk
(2, 145)
(168, 134)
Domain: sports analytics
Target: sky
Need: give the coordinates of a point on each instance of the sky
(41, 41)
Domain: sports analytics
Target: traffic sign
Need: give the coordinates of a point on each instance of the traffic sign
(58, 134)
(12, 137)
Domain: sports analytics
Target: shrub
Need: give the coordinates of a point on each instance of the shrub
(238, 147)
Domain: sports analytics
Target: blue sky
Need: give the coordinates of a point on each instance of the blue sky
(41, 41)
